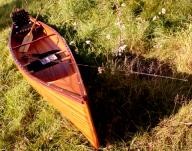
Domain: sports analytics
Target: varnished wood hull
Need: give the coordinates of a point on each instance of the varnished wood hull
(77, 113)
(72, 105)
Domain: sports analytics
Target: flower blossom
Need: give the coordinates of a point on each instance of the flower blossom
(163, 10)
(101, 70)
(72, 43)
(88, 42)
(154, 18)
(120, 50)
(108, 36)
(123, 4)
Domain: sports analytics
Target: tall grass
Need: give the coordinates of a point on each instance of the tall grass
(171, 134)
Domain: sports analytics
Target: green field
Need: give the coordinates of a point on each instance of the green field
(130, 111)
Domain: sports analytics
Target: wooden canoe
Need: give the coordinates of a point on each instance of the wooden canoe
(51, 69)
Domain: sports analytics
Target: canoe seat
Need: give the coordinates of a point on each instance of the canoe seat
(46, 60)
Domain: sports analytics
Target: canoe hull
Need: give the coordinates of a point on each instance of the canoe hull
(74, 107)
(76, 112)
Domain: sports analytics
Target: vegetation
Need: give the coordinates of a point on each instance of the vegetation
(131, 111)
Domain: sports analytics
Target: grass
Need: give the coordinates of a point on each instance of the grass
(173, 132)
(131, 112)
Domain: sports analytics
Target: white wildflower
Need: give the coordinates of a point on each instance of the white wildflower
(88, 42)
(101, 70)
(122, 48)
(123, 4)
(159, 13)
(163, 10)
(154, 18)
(75, 24)
(72, 43)
(108, 36)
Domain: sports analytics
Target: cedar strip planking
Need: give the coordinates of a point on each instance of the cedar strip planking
(61, 84)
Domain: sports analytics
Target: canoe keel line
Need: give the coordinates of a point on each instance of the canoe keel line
(49, 66)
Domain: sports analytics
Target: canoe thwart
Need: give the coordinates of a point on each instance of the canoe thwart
(45, 60)
(36, 40)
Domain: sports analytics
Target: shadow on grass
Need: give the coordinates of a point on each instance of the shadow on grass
(123, 105)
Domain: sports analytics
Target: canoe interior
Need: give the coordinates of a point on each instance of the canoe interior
(64, 74)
